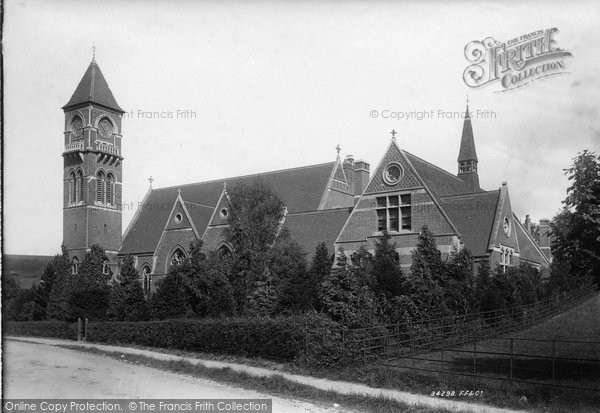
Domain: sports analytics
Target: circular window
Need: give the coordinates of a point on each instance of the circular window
(507, 226)
(224, 213)
(392, 174)
(178, 218)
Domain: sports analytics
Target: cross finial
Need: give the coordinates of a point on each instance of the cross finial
(467, 100)
(178, 191)
(94, 52)
(150, 179)
(393, 132)
(338, 149)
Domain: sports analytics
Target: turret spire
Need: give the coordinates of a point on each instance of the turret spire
(467, 155)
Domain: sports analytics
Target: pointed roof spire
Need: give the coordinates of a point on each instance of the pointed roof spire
(93, 88)
(467, 142)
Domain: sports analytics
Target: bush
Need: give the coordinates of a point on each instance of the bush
(311, 340)
(50, 328)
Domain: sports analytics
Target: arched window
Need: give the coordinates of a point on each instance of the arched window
(224, 250)
(74, 265)
(100, 187)
(79, 186)
(146, 270)
(72, 189)
(110, 179)
(105, 267)
(178, 257)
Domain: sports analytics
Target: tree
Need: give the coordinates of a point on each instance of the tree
(386, 268)
(459, 282)
(576, 229)
(126, 299)
(87, 292)
(169, 300)
(344, 299)
(426, 275)
(57, 305)
(320, 268)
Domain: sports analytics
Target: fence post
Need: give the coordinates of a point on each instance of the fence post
(85, 329)
(511, 358)
(474, 355)
(79, 329)
(412, 345)
(553, 358)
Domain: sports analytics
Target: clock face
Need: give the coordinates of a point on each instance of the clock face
(77, 127)
(105, 128)
(506, 225)
(392, 174)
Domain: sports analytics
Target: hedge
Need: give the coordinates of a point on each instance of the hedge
(309, 340)
(50, 329)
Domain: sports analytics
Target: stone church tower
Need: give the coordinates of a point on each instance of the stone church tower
(92, 177)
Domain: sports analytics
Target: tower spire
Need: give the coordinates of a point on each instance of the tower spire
(467, 155)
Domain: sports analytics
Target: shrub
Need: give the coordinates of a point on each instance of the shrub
(50, 328)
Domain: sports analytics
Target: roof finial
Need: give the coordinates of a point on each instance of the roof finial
(179, 192)
(393, 132)
(338, 149)
(93, 51)
(150, 179)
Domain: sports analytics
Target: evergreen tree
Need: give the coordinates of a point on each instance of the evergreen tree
(87, 291)
(126, 301)
(319, 269)
(459, 283)
(169, 300)
(426, 275)
(386, 268)
(57, 305)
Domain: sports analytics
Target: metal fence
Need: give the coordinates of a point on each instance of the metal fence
(403, 339)
(532, 361)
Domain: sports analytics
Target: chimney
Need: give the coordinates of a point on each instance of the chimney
(545, 238)
(361, 176)
(349, 171)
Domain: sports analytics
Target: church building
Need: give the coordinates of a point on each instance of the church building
(344, 203)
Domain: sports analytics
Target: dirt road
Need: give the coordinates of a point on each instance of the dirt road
(43, 371)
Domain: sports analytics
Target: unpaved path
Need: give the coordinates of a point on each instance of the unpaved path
(340, 387)
(45, 371)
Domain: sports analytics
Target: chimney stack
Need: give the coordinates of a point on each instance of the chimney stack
(361, 176)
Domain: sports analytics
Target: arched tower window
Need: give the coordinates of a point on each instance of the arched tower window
(79, 186)
(72, 188)
(178, 257)
(100, 187)
(110, 189)
(224, 250)
(105, 267)
(146, 270)
(74, 265)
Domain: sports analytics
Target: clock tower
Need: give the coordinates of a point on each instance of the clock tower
(93, 173)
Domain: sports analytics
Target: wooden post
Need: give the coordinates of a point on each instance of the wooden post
(474, 355)
(553, 361)
(85, 329)
(79, 329)
(511, 359)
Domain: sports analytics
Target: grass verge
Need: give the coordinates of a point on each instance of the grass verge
(274, 385)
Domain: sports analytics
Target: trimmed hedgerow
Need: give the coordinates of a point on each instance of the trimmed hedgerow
(310, 340)
(50, 329)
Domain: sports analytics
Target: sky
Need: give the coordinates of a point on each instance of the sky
(272, 85)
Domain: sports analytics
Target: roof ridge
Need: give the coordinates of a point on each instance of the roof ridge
(320, 211)
(197, 203)
(245, 176)
(435, 166)
(466, 195)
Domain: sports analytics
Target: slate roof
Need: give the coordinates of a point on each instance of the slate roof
(440, 182)
(528, 249)
(200, 214)
(301, 190)
(310, 229)
(467, 143)
(473, 215)
(93, 88)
